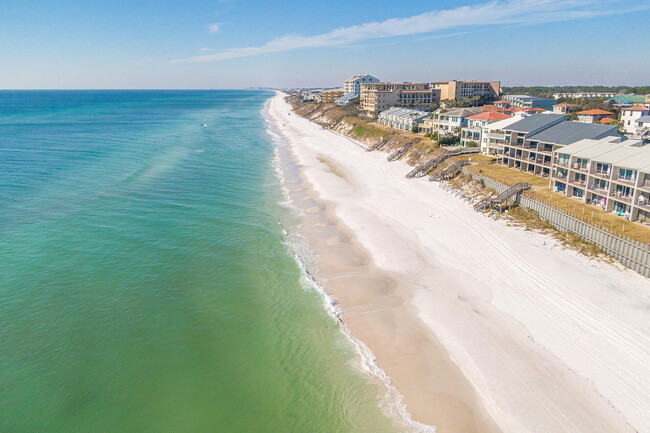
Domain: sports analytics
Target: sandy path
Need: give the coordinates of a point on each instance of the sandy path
(549, 340)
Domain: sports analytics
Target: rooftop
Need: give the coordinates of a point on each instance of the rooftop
(503, 124)
(595, 112)
(635, 109)
(462, 112)
(628, 154)
(607, 120)
(629, 99)
(536, 122)
(566, 132)
(490, 108)
(490, 116)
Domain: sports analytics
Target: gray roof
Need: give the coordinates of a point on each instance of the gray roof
(536, 122)
(462, 112)
(629, 154)
(569, 132)
(643, 119)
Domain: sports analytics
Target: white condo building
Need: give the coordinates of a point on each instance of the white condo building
(352, 86)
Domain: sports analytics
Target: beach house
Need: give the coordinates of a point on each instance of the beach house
(593, 116)
(472, 132)
(451, 121)
(629, 117)
(564, 108)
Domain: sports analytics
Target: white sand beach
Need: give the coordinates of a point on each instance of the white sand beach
(529, 336)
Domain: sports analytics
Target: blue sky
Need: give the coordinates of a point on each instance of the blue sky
(241, 43)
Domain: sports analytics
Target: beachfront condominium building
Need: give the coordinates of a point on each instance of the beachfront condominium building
(377, 97)
(527, 101)
(352, 86)
(451, 121)
(472, 133)
(486, 90)
(331, 96)
(629, 116)
(530, 143)
(401, 118)
(493, 135)
(593, 116)
(608, 172)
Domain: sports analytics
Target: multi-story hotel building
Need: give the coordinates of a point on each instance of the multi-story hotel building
(331, 96)
(486, 90)
(376, 97)
(352, 86)
(608, 172)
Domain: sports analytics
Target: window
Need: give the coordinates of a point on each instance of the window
(625, 174)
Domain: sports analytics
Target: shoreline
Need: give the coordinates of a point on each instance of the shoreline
(464, 325)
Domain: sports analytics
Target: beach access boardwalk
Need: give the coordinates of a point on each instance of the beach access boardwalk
(632, 253)
(399, 152)
(505, 195)
(427, 167)
(450, 171)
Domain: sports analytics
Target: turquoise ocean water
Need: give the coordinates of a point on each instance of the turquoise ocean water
(145, 284)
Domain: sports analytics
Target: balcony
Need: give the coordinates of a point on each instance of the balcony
(559, 176)
(625, 181)
(561, 163)
(645, 204)
(618, 196)
(601, 174)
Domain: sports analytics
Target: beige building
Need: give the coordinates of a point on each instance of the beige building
(564, 108)
(377, 97)
(331, 96)
(468, 89)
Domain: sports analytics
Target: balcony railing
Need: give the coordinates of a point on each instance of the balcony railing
(617, 195)
(625, 180)
(601, 173)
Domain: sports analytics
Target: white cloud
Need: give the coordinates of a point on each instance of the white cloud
(213, 28)
(493, 13)
(204, 49)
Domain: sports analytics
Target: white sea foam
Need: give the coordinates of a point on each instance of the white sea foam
(392, 402)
